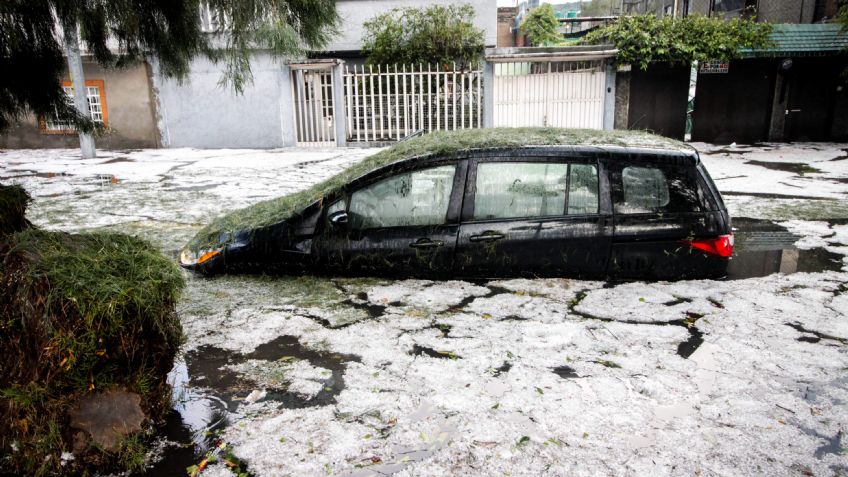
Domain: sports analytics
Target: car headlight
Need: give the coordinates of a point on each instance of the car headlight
(189, 257)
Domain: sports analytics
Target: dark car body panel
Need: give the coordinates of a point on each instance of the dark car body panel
(558, 245)
(606, 244)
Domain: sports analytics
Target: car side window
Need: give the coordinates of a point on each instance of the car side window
(411, 198)
(337, 206)
(582, 189)
(657, 188)
(509, 190)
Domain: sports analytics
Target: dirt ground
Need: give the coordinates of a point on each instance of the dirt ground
(358, 377)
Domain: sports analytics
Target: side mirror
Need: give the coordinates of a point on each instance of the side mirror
(338, 219)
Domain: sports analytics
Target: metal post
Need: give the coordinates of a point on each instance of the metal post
(609, 97)
(339, 118)
(80, 92)
(488, 94)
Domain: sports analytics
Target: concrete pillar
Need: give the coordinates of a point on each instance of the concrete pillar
(78, 78)
(339, 113)
(488, 94)
(777, 122)
(609, 97)
(287, 127)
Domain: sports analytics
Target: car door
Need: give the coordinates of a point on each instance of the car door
(404, 223)
(659, 203)
(542, 215)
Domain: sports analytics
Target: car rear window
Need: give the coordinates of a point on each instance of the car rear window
(657, 188)
(508, 190)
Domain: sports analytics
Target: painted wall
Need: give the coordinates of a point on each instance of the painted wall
(200, 113)
(130, 110)
(356, 12)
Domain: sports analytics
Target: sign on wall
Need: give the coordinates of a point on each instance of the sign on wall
(715, 67)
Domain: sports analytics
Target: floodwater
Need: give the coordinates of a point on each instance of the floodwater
(207, 391)
(763, 247)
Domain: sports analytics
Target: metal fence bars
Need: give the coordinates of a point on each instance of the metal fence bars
(387, 103)
(550, 93)
(312, 91)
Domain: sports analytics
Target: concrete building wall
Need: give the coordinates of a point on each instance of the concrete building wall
(130, 110)
(786, 11)
(355, 13)
(506, 19)
(200, 113)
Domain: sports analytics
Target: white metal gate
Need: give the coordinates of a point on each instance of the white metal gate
(559, 94)
(312, 95)
(387, 103)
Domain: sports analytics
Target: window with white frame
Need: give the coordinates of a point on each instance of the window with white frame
(96, 104)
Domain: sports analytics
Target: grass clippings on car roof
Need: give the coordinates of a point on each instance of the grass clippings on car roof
(269, 212)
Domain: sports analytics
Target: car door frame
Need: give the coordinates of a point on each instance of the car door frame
(558, 154)
(650, 245)
(339, 262)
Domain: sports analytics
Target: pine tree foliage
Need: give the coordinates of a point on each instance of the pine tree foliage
(118, 32)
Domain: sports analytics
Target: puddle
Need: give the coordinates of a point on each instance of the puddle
(812, 336)
(766, 195)
(118, 160)
(833, 446)
(688, 347)
(197, 188)
(763, 247)
(373, 310)
(419, 350)
(504, 368)
(798, 168)
(207, 394)
(565, 372)
(443, 328)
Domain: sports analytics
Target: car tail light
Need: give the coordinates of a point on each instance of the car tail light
(721, 246)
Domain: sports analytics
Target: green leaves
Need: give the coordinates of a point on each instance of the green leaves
(643, 39)
(436, 34)
(540, 26)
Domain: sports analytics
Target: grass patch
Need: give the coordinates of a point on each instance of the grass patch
(13, 203)
(80, 313)
(276, 210)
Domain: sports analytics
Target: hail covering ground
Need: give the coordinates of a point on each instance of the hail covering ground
(510, 377)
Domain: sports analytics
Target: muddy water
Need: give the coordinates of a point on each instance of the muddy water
(763, 248)
(207, 394)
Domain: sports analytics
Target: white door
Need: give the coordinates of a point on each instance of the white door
(313, 107)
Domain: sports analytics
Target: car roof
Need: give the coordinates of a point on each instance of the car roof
(447, 142)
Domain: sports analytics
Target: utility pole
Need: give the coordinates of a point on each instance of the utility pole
(78, 79)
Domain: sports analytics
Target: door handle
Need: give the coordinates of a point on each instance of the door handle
(487, 236)
(426, 243)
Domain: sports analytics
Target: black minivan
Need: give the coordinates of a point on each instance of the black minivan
(559, 203)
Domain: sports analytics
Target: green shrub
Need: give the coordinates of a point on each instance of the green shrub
(79, 313)
(13, 203)
(643, 39)
(436, 34)
(540, 25)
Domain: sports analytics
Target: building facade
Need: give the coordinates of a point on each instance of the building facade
(121, 100)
